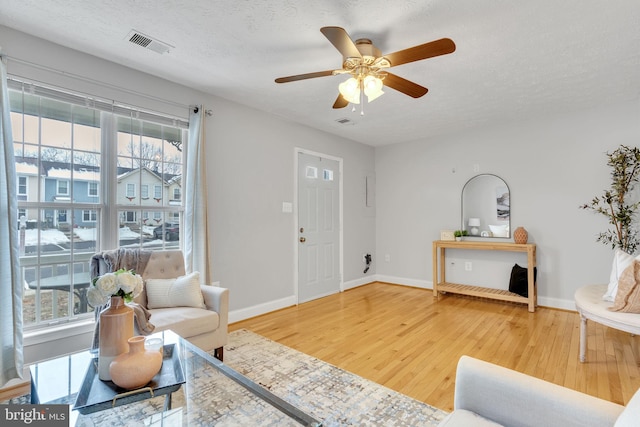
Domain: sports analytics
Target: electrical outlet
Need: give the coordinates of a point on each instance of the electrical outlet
(468, 266)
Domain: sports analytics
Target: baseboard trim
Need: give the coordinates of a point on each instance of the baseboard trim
(260, 309)
(358, 282)
(558, 303)
(257, 310)
(415, 283)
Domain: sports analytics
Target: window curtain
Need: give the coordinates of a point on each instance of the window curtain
(12, 361)
(196, 238)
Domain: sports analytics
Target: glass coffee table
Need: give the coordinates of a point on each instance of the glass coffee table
(209, 393)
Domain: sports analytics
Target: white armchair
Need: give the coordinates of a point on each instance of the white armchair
(205, 327)
(490, 395)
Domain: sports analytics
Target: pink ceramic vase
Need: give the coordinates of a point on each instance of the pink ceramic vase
(520, 235)
(116, 327)
(136, 368)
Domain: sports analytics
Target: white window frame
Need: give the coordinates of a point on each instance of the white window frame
(25, 185)
(157, 192)
(131, 189)
(58, 187)
(106, 210)
(144, 191)
(89, 215)
(90, 185)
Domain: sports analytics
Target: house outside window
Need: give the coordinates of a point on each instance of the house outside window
(60, 161)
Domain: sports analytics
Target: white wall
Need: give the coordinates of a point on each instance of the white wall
(251, 173)
(552, 166)
(250, 156)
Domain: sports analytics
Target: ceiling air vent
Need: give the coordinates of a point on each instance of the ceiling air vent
(136, 37)
(345, 121)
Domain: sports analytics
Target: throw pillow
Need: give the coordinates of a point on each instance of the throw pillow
(519, 282)
(183, 291)
(628, 295)
(621, 260)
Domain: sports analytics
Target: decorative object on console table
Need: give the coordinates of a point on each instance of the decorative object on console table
(520, 235)
(447, 235)
(116, 327)
(474, 223)
(136, 368)
(459, 234)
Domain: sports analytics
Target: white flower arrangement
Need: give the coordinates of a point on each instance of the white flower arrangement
(123, 283)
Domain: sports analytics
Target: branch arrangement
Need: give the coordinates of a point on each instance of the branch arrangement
(615, 203)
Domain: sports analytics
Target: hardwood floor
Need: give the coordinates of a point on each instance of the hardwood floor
(400, 337)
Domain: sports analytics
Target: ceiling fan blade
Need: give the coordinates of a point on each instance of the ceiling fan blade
(340, 102)
(304, 76)
(423, 51)
(405, 86)
(341, 40)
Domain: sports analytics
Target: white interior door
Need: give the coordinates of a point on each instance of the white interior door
(318, 227)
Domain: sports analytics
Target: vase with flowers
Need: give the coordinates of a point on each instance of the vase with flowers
(116, 321)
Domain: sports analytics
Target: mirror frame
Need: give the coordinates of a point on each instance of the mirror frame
(485, 226)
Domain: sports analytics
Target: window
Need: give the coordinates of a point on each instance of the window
(93, 189)
(311, 172)
(60, 162)
(144, 191)
(157, 192)
(62, 187)
(22, 186)
(89, 216)
(176, 194)
(131, 191)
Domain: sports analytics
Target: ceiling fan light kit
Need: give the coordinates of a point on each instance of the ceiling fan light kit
(364, 62)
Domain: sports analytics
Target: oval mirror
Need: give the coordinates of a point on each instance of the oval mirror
(486, 207)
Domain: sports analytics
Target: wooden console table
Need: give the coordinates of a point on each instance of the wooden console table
(439, 246)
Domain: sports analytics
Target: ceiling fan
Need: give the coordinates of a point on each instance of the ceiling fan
(367, 67)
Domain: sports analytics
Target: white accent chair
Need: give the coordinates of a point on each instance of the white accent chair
(491, 395)
(206, 328)
(591, 306)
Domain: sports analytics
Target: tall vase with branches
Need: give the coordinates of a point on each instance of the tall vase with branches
(618, 203)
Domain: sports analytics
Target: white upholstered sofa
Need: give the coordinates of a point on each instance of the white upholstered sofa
(490, 395)
(206, 327)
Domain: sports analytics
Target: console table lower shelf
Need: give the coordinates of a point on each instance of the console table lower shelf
(482, 292)
(441, 285)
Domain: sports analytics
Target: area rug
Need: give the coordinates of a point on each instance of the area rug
(326, 392)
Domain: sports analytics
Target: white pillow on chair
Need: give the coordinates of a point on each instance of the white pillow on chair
(621, 260)
(183, 291)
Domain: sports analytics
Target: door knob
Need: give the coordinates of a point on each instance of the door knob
(302, 240)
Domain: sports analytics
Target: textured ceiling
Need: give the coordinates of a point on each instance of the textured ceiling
(514, 60)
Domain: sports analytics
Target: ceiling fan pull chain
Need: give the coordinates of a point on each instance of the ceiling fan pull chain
(361, 97)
